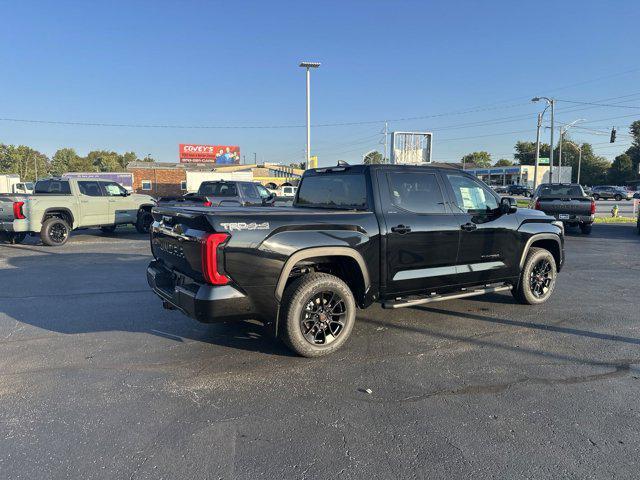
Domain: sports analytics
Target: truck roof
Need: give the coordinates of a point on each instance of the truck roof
(383, 166)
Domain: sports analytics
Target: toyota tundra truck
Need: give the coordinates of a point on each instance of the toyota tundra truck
(60, 205)
(568, 203)
(395, 234)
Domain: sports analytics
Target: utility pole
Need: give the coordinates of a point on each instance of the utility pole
(383, 141)
(535, 169)
(255, 158)
(309, 66)
(551, 149)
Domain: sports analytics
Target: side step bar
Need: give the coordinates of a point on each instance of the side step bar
(450, 296)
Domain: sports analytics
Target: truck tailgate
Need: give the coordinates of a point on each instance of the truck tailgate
(6, 208)
(570, 206)
(176, 240)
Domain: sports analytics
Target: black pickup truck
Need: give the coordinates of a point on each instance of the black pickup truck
(567, 202)
(399, 235)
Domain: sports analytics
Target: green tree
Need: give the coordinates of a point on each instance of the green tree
(479, 159)
(105, 161)
(129, 157)
(24, 161)
(62, 159)
(621, 170)
(526, 152)
(373, 158)
(634, 150)
(503, 162)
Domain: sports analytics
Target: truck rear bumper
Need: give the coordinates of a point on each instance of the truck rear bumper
(6, 227)
(17, 226)
(576, 219)
(205, 303)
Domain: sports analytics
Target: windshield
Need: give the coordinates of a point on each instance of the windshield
(333, 190)
(560, 191)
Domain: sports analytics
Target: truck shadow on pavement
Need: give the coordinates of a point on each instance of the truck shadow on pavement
(531, 325)
(80, 293)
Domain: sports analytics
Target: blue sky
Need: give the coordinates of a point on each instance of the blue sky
(197, 63)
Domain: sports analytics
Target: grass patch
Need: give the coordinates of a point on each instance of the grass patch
(615, 220)
(523, 203)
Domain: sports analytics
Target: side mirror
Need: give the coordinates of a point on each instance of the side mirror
(508, 205)
(270, 199)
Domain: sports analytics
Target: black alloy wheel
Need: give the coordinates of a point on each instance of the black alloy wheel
(323, 318)
(58, 232)
(540, 278)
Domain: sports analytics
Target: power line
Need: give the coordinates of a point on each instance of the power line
(598, 104)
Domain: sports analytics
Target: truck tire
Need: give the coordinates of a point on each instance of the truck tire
(537, 279)
(618, 198)
(319, 312)
(586, 228)
(144, 221)
(108, 230)
(55, 232)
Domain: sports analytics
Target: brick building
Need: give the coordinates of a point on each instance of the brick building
(158, 179)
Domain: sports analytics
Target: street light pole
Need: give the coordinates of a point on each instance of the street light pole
(550, 103)
(535, 169)
(309, 66)
(563, 130)
(579, 147)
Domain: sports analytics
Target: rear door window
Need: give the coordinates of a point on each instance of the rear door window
(90, 188)
(249, 191)
(416, 192)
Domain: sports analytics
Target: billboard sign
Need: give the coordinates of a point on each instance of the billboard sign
(218, 154)
(411, 148)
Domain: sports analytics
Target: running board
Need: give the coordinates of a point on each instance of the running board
(450, 296)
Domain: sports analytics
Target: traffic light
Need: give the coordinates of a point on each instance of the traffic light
(613, 135)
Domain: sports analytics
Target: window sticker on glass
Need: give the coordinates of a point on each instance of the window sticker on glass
(112, 189)
(472, 198)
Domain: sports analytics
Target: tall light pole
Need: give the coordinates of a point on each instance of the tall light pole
(535, 170)
(309, 66)
(563, 130)
(550, 103)
(579, 147)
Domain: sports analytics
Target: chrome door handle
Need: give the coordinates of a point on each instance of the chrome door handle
(401, 229)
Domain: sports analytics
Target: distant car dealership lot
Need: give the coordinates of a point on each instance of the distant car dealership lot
(98, 381)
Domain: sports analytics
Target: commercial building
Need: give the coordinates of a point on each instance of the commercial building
(160, 179)
(520, 175)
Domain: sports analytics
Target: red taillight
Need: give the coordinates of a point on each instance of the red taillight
(207, 204)
(17, 210)
(210, 245)
(537, 207)
(593, 207)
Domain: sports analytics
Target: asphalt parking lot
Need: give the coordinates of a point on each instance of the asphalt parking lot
(98, 381)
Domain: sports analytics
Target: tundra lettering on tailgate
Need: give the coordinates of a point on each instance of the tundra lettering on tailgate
(245, 226)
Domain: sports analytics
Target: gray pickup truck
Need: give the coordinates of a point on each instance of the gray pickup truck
(567, 202)
(59, 206)
(224, 193)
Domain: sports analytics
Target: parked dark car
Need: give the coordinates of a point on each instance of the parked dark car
(224, 193)
(519, 190)
(610, 192)
(395, 234)
(567, 202)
